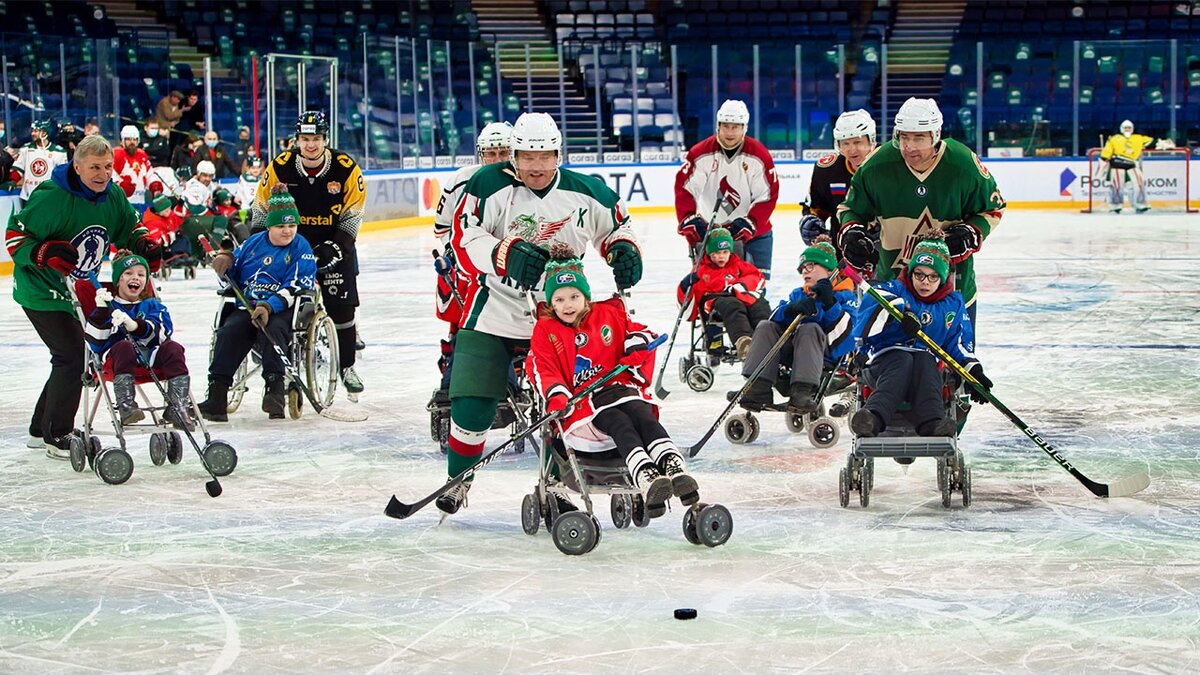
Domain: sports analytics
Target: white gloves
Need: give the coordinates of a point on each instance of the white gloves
(121, 318)
(103, 297)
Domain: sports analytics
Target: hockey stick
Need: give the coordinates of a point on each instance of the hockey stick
(292, 373)
(399, 510)
(660, 391)
(787, 333)
(1122, 488)
(212, 487)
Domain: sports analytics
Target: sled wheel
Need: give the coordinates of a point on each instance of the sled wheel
(795, 423)
(575, 533)
(175, 448)
(755, 427)
(714, 525)
(638, 511)
(823, 433)
(220, 457)
(685, 364)
(737, 428)
(295, 403)
(78, 455)
(621, 509)
(844, 487)
(689, 524)
(158, 448)
(700, 378)
(531, 515)
(966, 486)
(114, 466)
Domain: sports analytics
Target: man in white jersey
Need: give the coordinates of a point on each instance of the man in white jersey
(38, 158)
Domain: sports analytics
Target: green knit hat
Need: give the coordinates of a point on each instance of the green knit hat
(161, 204)
(719, 239)
(281, 208)
(821, 252)
(563, 273)
(126, 261)
(931, 252)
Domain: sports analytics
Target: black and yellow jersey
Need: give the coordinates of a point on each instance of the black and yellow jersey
(331, 200)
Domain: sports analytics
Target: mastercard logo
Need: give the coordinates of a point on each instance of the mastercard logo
(431, 191)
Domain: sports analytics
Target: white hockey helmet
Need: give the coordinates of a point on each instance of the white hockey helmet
(1127, 127)
(494, 135)
(917, 115)
(129, 131)
(853, 124)
(536, 132)
(207, 167)
(733, 112)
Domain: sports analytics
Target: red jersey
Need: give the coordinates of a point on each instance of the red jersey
(738, 278)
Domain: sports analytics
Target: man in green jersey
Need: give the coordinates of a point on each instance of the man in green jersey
(919, 183)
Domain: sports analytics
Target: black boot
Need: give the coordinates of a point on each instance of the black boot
(802, 398)
(758, 396)
(938, 427)
(274, 401)
(215, 408)
(865, 423)
(127, 406)
(179, 398)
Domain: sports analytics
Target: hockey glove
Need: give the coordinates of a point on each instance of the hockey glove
(120, 318)
(261, 315)
(444, 264)
(626, 262)
(858, 248)
(328, 254)
(910, 324)
(742, 229)
(127, 187)
(693, 228)
(59, 256)
(823, 292)
(222, 263)
(151, 250)
(557, 402)
(805, 306)
(520, 261)
(103, 297)
(963, 240)
(811, 227)
(976, 371)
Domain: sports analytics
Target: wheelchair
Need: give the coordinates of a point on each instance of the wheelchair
(821, 424)
(708, 349)
(313, 349)
(186, 253)
(901, 442)
(516, 411)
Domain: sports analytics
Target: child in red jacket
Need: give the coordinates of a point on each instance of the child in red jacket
(574, 343)
(729, 287)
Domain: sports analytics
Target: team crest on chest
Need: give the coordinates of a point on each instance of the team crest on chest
(580, 340)
(91, 244)
(334, 187)
(922, 190)
(267, 260)
(949, 318)
(606, 335)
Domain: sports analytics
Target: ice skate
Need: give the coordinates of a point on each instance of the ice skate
(683, 485)
(274, 400)
(454, 499)
(34, 442)
(60, 448)
(802, 398)
(353, 384)
(655, 487)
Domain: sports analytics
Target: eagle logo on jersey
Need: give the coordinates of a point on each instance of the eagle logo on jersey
(729, 195)
(546, 231)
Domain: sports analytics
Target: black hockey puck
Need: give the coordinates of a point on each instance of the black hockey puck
(685, 613)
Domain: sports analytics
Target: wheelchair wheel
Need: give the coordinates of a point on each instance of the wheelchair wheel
(795, 423)
(685, 364)
(966, 486)
(531, 514)
(175, 447)
(621, 509)
(241, 381)
(714, 524)
(741, 428)
(78, 453)
(823, 433)
(295, 402)
(113, 465)
(321, 359)
(158, 448)
(220, 457)
(638, 511)
(844, 487)
(575, 533)
(689, 525)
(700, 378)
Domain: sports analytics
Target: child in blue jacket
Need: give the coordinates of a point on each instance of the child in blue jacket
(899, 366)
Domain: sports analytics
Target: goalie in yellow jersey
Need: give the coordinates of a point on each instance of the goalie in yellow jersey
(1121, 164)
(330, 194)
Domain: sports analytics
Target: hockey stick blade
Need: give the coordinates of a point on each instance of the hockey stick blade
(1129, 485)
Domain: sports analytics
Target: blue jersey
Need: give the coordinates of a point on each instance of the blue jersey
(154, 326)
(944, 320)
(274, 274)
(835, 320)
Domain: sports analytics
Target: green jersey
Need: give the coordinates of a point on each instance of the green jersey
(905, 205)
(58, 213)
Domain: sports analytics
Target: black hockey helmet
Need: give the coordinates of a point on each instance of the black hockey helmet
(312, 122)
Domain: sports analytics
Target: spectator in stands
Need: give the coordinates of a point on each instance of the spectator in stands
(192, 118)
(185, 155)
(156, 144)
(244, 147)
(69, 137)
(2, 139)
(728, 180)
(214, 152)
(91, 128)
(167, 114)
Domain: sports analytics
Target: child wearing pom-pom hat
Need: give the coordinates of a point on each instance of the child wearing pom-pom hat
(577, 341)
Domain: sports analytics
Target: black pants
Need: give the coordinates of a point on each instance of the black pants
(899, 376)
(343, 320)
(54, 414)
(631, 425)
(739, 319)
(237, 336)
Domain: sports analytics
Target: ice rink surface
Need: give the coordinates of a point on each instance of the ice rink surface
(1087, 324)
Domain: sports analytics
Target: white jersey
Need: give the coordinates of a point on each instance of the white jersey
(195, 193)
(451, 194)
(745, 182)
(496, 207)
(246, 188)
(35, 164)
